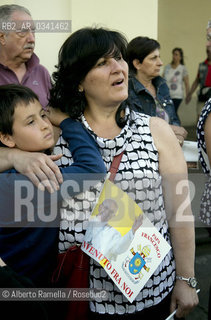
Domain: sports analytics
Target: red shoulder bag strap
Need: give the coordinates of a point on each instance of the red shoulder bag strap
(115, 165)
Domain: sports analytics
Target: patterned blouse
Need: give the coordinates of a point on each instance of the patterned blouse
(200, 137)
(138, 175)
(205, 203)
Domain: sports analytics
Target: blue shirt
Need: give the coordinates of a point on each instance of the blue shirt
(30, 246)
(141, 100)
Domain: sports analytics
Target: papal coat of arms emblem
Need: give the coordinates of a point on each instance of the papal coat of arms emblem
(137, 263)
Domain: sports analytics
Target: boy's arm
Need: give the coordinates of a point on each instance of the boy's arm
(40, 167)
(84, 149)
(87, 160)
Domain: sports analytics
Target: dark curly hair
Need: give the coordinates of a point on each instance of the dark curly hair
(77, 56)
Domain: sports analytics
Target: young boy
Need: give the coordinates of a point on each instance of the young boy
(29, 233)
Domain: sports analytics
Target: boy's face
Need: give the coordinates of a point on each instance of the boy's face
(32, 130)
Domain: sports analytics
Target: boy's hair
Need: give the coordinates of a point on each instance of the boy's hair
(10, 96)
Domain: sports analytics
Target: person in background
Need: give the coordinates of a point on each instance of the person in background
(148, 91)
(20, 65)
(203, 77)
(176, 74)
(18, 62)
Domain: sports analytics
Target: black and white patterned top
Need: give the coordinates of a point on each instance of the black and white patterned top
(200, 137)
(205, 203)
(138, 175)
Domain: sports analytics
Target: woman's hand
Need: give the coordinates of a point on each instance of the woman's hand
(184, 299)
(180, 133)
(56, 116)
(39, 168)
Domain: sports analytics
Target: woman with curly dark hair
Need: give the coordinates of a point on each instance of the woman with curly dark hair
(74, 64)
(91, 85)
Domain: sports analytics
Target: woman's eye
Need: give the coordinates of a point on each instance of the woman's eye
(118, 58)
(30, 122)
(101, 63)
(43, 115)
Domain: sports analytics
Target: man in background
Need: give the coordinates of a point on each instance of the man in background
(18, 62)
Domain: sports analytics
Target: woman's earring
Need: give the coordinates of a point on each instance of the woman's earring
(80, 89)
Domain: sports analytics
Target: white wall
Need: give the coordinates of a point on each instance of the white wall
(132, 17)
